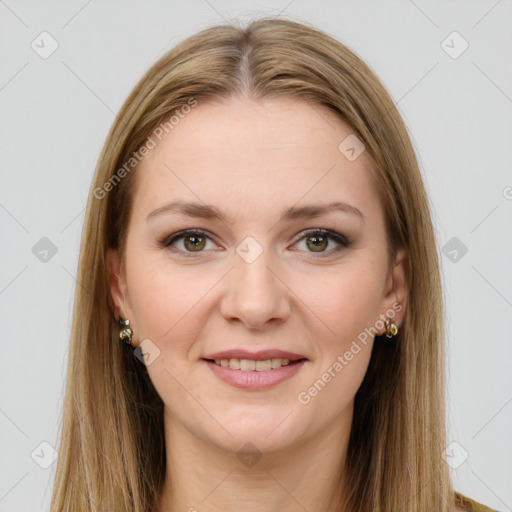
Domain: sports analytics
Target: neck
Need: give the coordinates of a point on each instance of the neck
(201, 477)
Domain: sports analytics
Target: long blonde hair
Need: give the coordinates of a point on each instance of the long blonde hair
(112, 453)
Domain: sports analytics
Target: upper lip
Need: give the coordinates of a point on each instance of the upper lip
(261, 355)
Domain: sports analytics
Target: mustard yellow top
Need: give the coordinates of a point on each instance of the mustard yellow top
(471, 505)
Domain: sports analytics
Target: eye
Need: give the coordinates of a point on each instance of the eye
(194, 240)
(317, 241)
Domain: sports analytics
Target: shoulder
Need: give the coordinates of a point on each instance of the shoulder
(465, 504)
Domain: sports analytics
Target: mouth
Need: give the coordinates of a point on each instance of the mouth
(255, 374)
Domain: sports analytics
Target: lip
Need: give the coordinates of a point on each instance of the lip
(261, 355)
(254, 380)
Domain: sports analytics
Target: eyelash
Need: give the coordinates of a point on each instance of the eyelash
(333, 235)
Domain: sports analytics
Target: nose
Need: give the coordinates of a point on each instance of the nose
(256, 294)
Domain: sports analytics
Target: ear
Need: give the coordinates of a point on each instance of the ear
(396, 290)
(117, 282)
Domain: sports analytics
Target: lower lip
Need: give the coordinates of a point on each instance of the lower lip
(254, 380)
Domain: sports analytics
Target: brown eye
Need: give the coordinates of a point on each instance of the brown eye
(317, 243)
(195, 243)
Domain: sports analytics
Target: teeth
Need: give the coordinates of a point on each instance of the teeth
(234, 363)
(248, 365)
(263, 366)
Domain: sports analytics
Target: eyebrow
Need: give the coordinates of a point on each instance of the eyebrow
(206, 211)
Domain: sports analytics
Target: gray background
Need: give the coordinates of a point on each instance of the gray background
(55, 114)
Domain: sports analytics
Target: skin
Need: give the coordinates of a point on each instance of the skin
(253, 160)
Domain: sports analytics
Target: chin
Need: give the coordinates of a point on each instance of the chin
(265, 434)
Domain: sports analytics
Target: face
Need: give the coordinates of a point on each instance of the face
(252, 280)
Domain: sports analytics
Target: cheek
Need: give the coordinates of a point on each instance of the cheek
(346, 312)
(346, 304)
(166, 300)
(346, 300)
(168, 306)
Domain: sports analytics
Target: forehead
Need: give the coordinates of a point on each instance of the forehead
(251, 155)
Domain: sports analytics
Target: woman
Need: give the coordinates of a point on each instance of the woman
(259, 321)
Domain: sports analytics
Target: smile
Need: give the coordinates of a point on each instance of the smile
(253, 375)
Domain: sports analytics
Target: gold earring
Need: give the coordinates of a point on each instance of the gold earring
(125, 333)
(391, 329)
